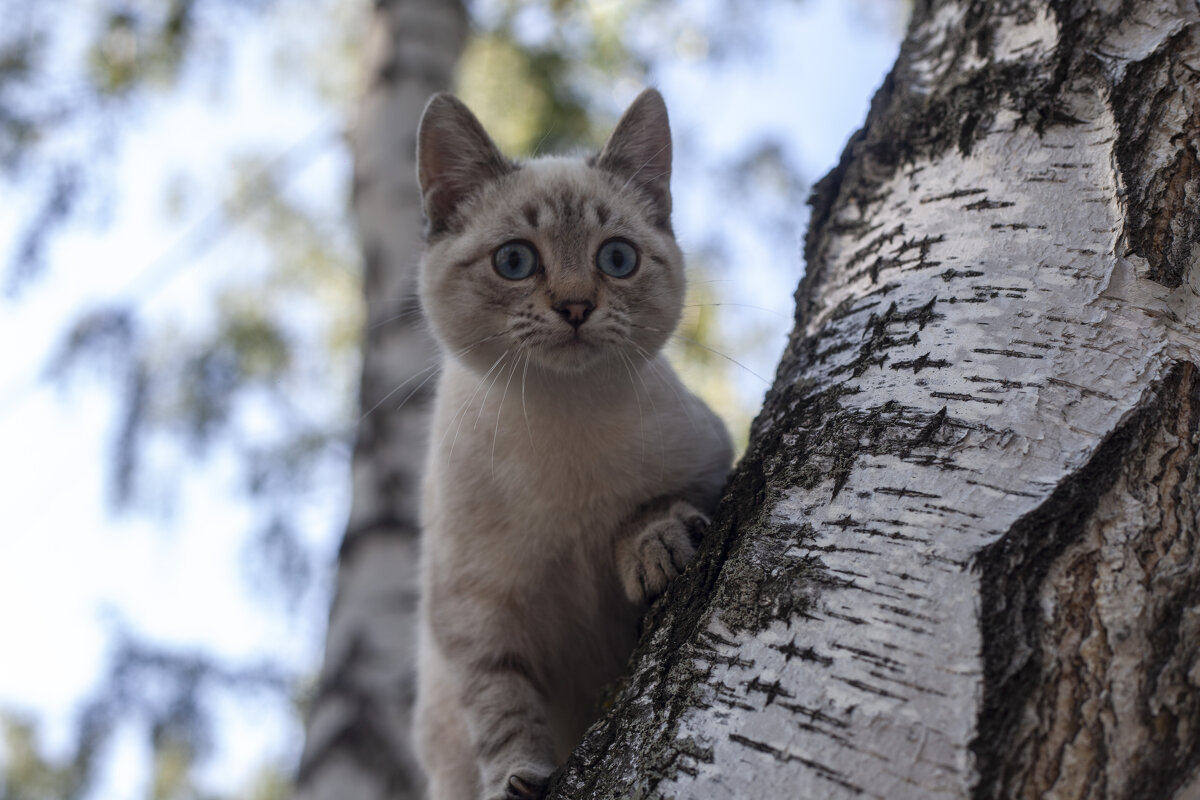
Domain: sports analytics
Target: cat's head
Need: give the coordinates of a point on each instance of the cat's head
(571, 263)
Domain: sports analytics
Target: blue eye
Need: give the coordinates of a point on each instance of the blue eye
(515, 260)
(617, 258)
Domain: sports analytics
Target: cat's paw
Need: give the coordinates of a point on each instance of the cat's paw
(659, 552)
(526, 787)
(523, 783)
(518, 779)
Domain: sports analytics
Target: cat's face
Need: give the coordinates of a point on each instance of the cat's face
(569, 264)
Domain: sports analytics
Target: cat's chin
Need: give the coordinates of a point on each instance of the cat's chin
(571, 359)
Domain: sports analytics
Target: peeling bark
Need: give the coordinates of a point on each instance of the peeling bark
(960, 556)
(358, 736)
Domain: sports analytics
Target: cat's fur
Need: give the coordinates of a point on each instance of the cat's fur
(569, 470)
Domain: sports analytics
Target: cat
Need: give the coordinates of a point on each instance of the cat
(570, 472)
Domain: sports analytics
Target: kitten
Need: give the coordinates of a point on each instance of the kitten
(569, 471)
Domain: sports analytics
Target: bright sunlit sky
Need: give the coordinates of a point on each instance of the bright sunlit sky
(70, 571)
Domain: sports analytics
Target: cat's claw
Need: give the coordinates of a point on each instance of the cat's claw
(526, 788)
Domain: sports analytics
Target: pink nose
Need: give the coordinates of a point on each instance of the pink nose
(574, 311)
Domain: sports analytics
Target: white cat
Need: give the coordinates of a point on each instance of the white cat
(569, 470)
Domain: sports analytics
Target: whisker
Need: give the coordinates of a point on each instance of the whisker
(730, 359)
(417, 388)
(483, 402)
(637, 399)
(545, 136)
(664, 378)
(435, 366)
(461, 413)
(410, 312)
(739, 305)
(701, 345)
(524, 410)
(500, 409)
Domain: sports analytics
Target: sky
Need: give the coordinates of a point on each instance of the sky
(71, 572)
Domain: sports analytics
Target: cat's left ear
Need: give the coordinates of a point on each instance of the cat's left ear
(455, 158)
(640, 150)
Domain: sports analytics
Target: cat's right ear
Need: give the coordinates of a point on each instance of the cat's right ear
(455, 157)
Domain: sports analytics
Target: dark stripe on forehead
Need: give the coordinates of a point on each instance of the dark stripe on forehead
(603, 213)
(568, 207)
(531, 213)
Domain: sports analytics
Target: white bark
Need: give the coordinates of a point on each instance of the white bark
(358, 732)
(961, 555)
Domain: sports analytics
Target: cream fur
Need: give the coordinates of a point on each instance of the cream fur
(567, 468)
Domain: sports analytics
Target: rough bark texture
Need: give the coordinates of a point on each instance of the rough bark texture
(960, 556)
(358, 732)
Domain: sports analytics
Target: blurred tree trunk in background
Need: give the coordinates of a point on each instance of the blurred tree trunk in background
(961, 557)
(357, 739)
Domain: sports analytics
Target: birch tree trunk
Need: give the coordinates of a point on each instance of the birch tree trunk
(960, 556)
(358, 733)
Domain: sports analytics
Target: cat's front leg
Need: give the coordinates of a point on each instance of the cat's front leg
(505, 706)
(655, 545)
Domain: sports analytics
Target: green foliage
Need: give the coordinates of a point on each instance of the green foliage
(520, 96)
(30, 775)
(265, 372)
(270, 784)
(165, 692)
(63, 103)
(172, 766)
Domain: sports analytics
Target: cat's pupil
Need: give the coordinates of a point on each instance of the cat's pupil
(618, 258)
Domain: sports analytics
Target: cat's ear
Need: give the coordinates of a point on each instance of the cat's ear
(639, 150)
(455, 157)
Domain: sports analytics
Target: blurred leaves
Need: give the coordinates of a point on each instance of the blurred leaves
(28, 774)
(64, 102)
(140, 43)
(167, 693)
(18, 128)
(58, 202)
(102, 338)
(765, 182)
(521, 96)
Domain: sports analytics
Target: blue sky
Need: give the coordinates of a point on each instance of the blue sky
(69, 569)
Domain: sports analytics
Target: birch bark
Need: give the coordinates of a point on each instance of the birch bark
(358, 739)
(960, 556)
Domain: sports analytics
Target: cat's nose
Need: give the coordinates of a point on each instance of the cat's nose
(574, 311)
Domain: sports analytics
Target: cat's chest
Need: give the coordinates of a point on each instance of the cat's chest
(575, 467)
(523, 462)
(558, 475)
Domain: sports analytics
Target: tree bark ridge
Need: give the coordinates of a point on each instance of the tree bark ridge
(358, 733)
(1091, 619)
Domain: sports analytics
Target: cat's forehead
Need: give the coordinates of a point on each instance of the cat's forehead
(553, 190)
(553, 177)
